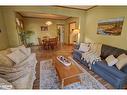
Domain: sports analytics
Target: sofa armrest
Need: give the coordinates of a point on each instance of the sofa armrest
(76, 51)
(113, 70)
(124, 69)
(77, 46)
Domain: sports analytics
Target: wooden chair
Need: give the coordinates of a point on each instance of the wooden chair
(40, 43)
(45, 43)
(53, 42)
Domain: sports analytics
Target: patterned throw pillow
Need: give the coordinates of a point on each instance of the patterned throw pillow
(84, 47)
(111, 60)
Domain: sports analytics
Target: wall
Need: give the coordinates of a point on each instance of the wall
(10, 24)
(3, 33)
(99, 13)
(72, 19)
(9, 19)
(34, 24)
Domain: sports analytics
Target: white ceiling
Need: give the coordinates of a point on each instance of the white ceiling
(84, 7)
(43, 15)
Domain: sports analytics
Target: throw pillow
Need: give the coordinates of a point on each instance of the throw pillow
(84, 47)
(5, 84)
(23, 49)
(122, 61)
(122, 56)
(111, 60)
(17, 56)
(4, 60)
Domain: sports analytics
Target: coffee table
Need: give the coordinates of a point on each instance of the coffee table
(68, 74)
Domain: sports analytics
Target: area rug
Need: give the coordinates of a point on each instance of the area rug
(50, 80)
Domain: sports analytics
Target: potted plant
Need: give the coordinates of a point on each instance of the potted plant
(25, 37)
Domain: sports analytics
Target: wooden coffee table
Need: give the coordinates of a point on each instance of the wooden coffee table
(68, 75)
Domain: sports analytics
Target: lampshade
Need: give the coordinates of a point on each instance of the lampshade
(48, 23)
(76, 30)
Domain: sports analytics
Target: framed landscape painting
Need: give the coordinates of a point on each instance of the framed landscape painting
(110, 26)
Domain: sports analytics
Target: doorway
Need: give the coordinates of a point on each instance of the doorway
(60, 33)
(72, 38)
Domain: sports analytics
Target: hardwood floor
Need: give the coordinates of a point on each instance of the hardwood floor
(65, 50)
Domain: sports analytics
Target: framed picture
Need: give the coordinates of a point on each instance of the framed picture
(44, 28)
(110, 26)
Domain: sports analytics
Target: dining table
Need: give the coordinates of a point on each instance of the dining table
(49, 43)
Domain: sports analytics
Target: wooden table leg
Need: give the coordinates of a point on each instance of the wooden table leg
(62, 85)
(81, 80)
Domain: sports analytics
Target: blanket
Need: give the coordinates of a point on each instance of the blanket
(92, 55)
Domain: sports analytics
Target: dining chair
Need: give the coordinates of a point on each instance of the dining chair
(45, 43)
(53, 42)
(40, 43)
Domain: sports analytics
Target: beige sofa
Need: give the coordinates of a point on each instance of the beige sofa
(17, 66)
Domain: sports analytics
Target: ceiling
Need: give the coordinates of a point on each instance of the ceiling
(54, 16)
(42, 15)
(83, 7)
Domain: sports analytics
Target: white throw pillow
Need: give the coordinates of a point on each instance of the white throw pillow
(122, 56)
(84, 47)
(122, 61)
(23, 49)
(4, 60)
(111, 60)
(17, 56)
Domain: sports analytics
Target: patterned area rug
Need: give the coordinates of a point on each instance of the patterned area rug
(50, 80)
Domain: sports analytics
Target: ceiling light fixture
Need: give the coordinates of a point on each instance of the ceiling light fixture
(48, 23)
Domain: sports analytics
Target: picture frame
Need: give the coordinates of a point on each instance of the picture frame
(111, 26)
(44, 28)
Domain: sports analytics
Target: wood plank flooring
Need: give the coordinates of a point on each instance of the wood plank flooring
(65, 50)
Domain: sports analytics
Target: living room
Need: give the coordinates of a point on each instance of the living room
(90, 23)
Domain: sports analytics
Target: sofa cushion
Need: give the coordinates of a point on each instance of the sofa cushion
(122, 61)
(17, 56)
(23, 81)
(112, 69)
(111, 60)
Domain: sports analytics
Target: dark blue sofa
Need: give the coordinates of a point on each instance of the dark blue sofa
(117, 78)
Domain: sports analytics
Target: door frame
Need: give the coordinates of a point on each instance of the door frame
(69, 31)
(60, 25)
